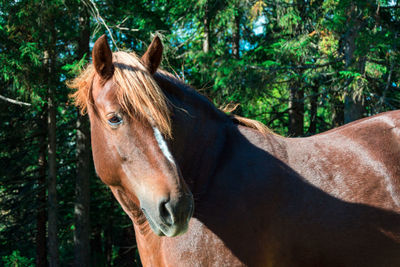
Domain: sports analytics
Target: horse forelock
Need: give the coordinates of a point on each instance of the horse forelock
(137, 92)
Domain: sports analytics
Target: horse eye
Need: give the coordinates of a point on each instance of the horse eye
(115, 120)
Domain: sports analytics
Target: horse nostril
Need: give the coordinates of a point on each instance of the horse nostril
(166, 212)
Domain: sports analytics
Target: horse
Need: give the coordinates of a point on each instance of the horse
(204, 188)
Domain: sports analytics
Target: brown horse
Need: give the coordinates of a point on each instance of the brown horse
(261, 199)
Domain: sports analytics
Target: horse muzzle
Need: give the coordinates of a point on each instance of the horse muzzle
(169, 217)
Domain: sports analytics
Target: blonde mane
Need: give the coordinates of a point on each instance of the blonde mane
(137, 92)
(253, 124)
(259, 126)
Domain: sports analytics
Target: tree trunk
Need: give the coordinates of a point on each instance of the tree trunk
(82, 191)
(296, 111)
(108, 235)
(296, 97)
(353, 106)
(127, 248)
(52, 181)
(236, 36)
(96, 246)
(206, 24)
(41, 218)
(108, 245)
(337, 111)
(353, 109)
(50, 63)
(52, 174)
(82, 188)
(313, 110)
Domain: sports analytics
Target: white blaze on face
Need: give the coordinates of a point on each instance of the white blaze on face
(163, 145)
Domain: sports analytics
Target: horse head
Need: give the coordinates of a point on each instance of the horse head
(130, 127)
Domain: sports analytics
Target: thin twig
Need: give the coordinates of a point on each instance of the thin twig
(119, 27)
(125, 29)
(16, 102)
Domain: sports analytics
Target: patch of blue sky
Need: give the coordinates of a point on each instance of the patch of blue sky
(259, 25)
(258, 28)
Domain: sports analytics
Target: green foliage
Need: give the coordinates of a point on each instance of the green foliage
(16, 260)
(76, 67)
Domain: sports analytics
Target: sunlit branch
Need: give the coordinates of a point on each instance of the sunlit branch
(16, 102)
(96, 14)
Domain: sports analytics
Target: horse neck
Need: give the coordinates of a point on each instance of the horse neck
(199, 133)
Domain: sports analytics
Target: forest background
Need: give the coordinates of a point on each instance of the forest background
(299, 66)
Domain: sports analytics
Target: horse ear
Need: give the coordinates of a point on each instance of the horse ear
(152, 58)
(102, 58)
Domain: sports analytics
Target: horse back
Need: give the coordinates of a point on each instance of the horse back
(348, 202)
(358, 162)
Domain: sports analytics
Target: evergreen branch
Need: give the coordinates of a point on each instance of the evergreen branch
(306, 66)
(16, 102)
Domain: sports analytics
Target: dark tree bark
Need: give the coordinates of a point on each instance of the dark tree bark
(313, 109)
(236, 36)
(353, 106)
(108, 233)
(52, 179)
(127, 248)
(82, 188)
(82, 191)
(337, 112)
(296, 97)
(41, 218)
(50, 63)
(96, 246)
(353, 109)
(296, 111)
(108, 243)
(206, 24)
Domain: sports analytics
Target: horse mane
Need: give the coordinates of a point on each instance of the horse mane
(253, 124)
(137, 92)
(259, 126)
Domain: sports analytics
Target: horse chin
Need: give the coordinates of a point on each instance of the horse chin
(154, 227)
(161, 229)
(156, 230)
(172, 231)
